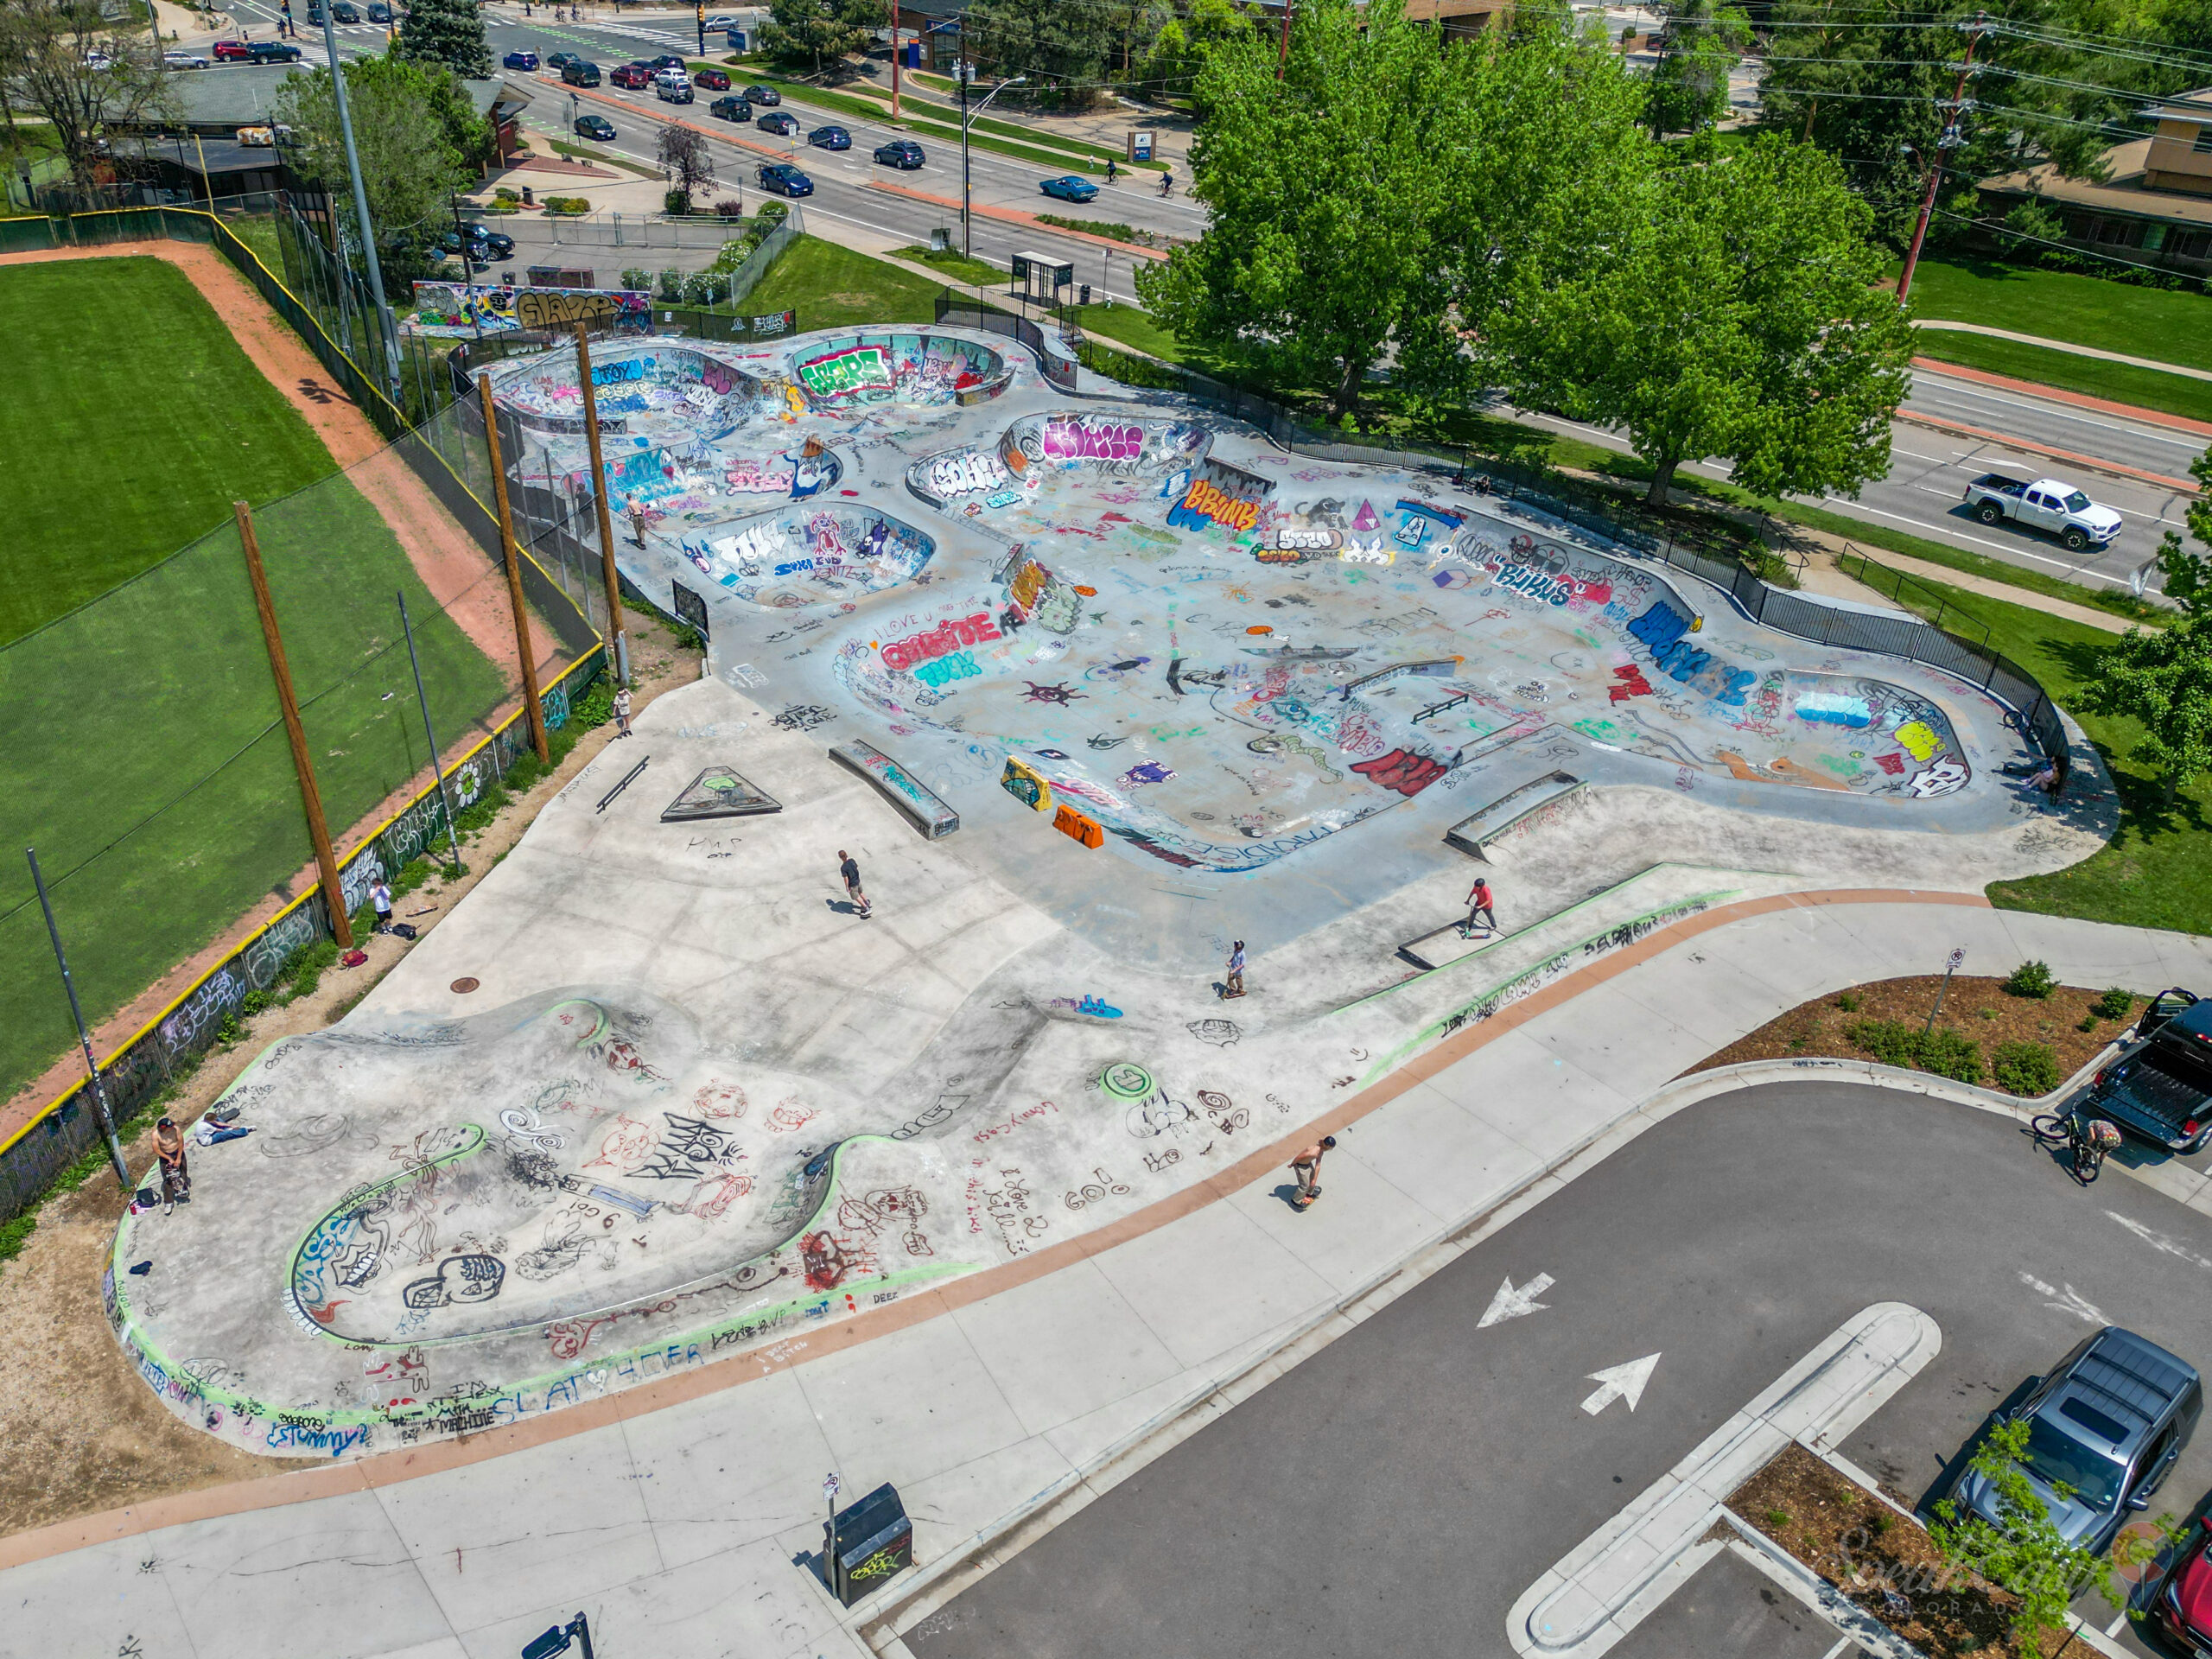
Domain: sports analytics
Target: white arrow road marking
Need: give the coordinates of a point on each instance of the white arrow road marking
(2069, 1300)
(1512, 1304)
(1621, 1383)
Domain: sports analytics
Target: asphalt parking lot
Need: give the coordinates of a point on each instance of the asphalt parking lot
(1401, 1489)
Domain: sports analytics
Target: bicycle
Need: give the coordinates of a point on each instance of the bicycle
(2086, 1149)
(1166, 186)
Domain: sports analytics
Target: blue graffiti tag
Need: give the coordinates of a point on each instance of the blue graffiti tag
(1663, 631)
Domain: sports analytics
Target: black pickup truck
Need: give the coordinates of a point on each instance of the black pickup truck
(2160, 1088)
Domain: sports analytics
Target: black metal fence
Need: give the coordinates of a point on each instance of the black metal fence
(1059, 371)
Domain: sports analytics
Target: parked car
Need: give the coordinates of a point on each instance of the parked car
(594, 126)
(2160, 1087)
(632, 77)
(579, 71)
(232, 52)
(345, 11)
(2048, 503)
(785, 180)
(672, 86)
(781, 125)
(314, 15)
(1070, 188)
(732, 108)
(715, 81)
(2182, 1607)
(483, 243)
(519, 60)
(901, 153)
(666, 61)
(766, 97)
(830, 138)
(379, 12)
(2108, 1424)
(184, 61)
(272, 52)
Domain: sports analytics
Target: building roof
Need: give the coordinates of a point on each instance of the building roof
(2187, 107)
(244, 95)
(2122, 192)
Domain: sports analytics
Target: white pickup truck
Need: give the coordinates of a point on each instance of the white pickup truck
(2048, 505)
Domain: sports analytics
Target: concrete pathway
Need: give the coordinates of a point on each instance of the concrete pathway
(674, 1515)
(1946, 324)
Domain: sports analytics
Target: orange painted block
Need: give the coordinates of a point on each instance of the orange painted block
(1069, 822)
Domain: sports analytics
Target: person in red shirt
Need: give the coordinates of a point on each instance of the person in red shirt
(1479, 903)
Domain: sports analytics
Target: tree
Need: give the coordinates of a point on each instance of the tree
(1138, 23)
(2163, 679)
(1178, 49)
(1700, 43)
(1295, 284)
(1736, 316)
(72, 63)
(823, 28)
(413, 129)
(2022, 1552)
(1063, 46)
(450, 32)
(683, 153)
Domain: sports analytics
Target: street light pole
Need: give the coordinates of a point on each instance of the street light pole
(384, 329)
(967, 213)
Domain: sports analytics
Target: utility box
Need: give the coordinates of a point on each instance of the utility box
(875, 1541)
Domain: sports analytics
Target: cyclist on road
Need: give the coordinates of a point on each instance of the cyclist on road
(1112, 171)
(1166, 181)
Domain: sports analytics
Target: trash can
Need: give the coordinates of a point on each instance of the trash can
(875, 1541)
(528, 200)
(1085, 299)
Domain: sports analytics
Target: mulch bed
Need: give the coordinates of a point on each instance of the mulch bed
(1980, 1010)
(1884, 1563)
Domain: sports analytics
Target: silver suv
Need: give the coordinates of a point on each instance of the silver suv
(672, 86)
(2107, 1425)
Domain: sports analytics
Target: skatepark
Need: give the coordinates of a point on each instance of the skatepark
(1092, 688)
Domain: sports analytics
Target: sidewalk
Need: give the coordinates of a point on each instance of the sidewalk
(672, 1514)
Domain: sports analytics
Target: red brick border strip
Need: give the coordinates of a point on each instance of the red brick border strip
(387, 1469)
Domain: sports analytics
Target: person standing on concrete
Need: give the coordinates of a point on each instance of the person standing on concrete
(1236, 987)
(177, 1178)
(622, 712)
(381, 897)
(851, 871)
(636, 520)
(1306, 1166)
(1479, 903)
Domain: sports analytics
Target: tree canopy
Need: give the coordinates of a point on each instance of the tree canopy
(1699, 43)
(2164, 680)
(81, 69)
(450, 32)
(823, 28)
(1064, 47)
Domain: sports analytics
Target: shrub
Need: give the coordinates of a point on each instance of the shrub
(670, 287)
(303, 972)
(595, 707)
(16, 1234)
(729, 208)
(774, 212)
(412, 876)
(706, 288)
(1948, 1054)
(2031, 979)
(505, 195)
(677, 204)
(1847, 1003)
(636, 278)
(2025, 1069)
(2115, 1004)
(1893, 1042)
(570, 206)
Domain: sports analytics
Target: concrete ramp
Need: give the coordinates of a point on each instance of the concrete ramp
(1517, 811)
(922, 807)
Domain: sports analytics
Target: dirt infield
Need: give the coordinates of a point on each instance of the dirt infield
(451, 564)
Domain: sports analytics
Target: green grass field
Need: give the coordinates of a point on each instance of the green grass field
(131, 420)
(2175, 394)
(834, 287)
(139, 748)
(2166, 326)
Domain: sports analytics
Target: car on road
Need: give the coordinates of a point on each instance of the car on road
(766, 97)
(901, 153)
(579, 71)
(672, 86)
(713, 80)
(184, 61)
(722, 20)
(1070, 188)
(781, 125)
(314, 15)
(519, 60)
(272, 52)
(483, 243)
(785, 180)
(345, 11)
(594, 126)
(2046, 504)
(379, 12)
(2105, 1429)
(559, 61)
(232, 52)
(2160, 1087)
(666, 61)
(732, 108)
(830, 138)
(632, 77)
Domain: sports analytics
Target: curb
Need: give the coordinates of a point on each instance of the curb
(1937, 423)
(2052, 394)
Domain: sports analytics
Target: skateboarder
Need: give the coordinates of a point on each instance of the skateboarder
(1479, 903)
(177, 1177)
(851, 871)
(1236, 987)
(1306, 1166)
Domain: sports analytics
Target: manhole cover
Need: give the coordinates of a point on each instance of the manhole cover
(464, 985)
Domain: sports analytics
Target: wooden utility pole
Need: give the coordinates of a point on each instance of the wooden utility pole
(1952, 136)
(279, 671)
(530, 696)
(1282, 57)
(618, 653)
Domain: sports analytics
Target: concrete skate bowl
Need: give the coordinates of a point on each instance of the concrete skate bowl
(807, 554)
(918, 370)
(977, 478)
(1294, 667)
(593, 1177)
(646, 390)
